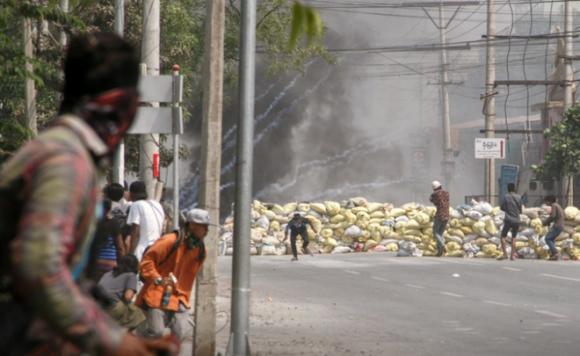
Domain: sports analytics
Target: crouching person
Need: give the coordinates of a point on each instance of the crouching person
(168, 269)
(120, 286)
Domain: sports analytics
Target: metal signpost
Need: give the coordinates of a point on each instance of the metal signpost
(164, 119)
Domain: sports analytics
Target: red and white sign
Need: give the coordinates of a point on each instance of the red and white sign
(156, 165)
(487, 148)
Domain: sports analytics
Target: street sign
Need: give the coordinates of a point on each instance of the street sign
(165, 119)
(490, 148)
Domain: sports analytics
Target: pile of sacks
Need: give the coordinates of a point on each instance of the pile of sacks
(356, 225)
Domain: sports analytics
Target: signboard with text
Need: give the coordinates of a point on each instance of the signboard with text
(490, 148)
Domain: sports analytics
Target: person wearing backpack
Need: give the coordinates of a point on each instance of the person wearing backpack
(108, 246)
(168, 270)
(512, 206)
(146, 218)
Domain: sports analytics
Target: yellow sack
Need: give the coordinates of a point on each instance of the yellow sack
(337, 219)
(279, 210)
(319, 208)
(326, 233)
(490, 227)
(362, 215)
(392, 247)
(480, 241)
(360, 209)
(521, 244)
(350, 217)
(377, 215)
(571, 212)
(330, 242)
(375, 207)
(422, 218)
(458, 253)
(370, 244)
(489, 249)
(290, 207)
(396, 212)
(413, 224)
(332, 208)
(412, 232)
(270, 214)
(275, 226)
(453, 246)
(456, 232)
(467, 230)
(576, 238)
(454, 224)
(467, 222)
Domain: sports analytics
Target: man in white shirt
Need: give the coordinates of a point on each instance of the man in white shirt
(146, 218)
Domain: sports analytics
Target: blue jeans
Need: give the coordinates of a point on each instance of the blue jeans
(551, 238)
(438, 230)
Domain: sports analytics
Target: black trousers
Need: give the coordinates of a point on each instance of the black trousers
(293, 236)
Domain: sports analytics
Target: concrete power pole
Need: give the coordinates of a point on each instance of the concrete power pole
(568, 99)
(30, 88)
(213, 68)
(119, 161)
(64, 7)
(447, 150)
(489, 100)
(149, 144)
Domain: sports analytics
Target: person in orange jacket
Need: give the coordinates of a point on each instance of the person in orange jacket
(168, 269)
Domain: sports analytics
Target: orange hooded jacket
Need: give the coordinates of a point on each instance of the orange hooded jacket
(183, 262)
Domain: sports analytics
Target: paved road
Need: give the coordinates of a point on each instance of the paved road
(378, 304)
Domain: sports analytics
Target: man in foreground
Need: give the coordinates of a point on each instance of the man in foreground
(440, 198)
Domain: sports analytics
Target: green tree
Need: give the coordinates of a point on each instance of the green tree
(182, 36)
(563, 157)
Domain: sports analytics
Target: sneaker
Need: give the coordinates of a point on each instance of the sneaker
(555, 257)
(501, 258)
(294, 259)
(514, 257)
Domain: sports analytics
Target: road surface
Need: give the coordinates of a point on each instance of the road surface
(379, 304)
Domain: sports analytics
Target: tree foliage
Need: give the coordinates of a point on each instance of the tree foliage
(563, 156)
(182, 42)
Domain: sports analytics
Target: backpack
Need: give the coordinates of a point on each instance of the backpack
(174, 248)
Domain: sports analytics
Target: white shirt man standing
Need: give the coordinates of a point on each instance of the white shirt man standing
(146, 218)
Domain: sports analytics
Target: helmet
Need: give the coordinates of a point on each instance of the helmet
(436, 184)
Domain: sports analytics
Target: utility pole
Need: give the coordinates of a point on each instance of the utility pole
(239, 343)
(569, 73)
(442, 24)
(213, 69)
(149, 143)
(447, 150)
(119, 160)
(489, 100)
(30, 88)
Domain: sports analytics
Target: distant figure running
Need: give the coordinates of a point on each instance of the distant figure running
(297, 226)
(512, 206)
(440, 198)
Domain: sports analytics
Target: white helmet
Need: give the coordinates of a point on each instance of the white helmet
(436, 184)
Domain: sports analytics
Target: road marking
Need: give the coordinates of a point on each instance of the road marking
(463, 329)
(560, 277)
(512, 269)
(496, 303)
(379, 279)
(549, 313)
(415, 286)
(351, 272)
(449, 294)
